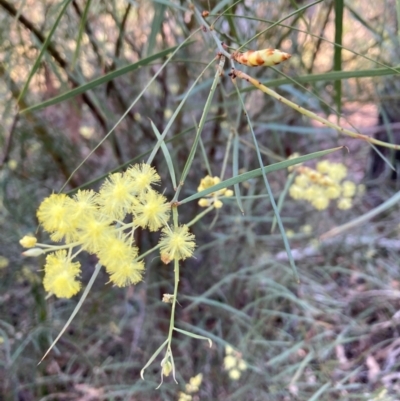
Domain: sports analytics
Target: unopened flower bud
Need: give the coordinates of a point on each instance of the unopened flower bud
(33, 252)
(167, 368)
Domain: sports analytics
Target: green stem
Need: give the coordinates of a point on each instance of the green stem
(200, 129)
(172, 320)
(310, 114)
(200, 215)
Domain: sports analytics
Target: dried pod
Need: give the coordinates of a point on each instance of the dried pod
(256, 58)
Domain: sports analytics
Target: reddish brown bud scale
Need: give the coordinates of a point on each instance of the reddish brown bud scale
(256, 58)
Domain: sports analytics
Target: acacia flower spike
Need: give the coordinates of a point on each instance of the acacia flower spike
(258, 58)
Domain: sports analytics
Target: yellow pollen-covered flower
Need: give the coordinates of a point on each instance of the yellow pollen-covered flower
(177, 243)
(208, 182)
(60, 275)
(302, 181)
(242, 365)
(229, 350)
(203, 202)
(234, 374)
(296, 192)
(95, 232)
(311, 192)
(28, 241)
(126, 273)
(143, 176)
(344, 203)
(348, 189)
(194, 384)
(333, 192)
(229, 362)
(152, 211)
(320, 203)
(54, 214)
(234, 363)
(323, 166)
(117, 195)
(184, 397)
(323, 184)
(337, 171)
(213, 197)
(218, 204)
(85, 204)
(116, 252)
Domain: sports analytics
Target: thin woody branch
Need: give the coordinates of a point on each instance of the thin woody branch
(240, 74)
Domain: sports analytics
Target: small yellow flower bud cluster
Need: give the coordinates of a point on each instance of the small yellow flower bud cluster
(234, 363)
(321, 185)
(94, 222)
(28, 241)
(190, 388)
(213, 198)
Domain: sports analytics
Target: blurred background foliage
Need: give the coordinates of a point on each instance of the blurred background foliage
(333, 336)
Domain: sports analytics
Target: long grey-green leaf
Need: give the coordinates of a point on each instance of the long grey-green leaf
(392, 201)
(197, 336)
(174, 115)
(258, 172)
(318, 393)
(159, 10)
(154, 356)
(76, 309)
(201, 124)
(278, 22)
(235, 170)
(80, 33)
(103, 79)
(166, 153)
(268, 188)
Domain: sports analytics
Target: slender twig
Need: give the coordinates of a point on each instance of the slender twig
(89, 33)
(310, 114)
(209, 29)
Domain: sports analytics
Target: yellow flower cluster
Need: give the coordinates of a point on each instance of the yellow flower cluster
(234, 363)
(212, 198)
(192, 387)
(95, 222)
(321, 185)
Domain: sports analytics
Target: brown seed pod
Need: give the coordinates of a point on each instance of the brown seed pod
(257, 58)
